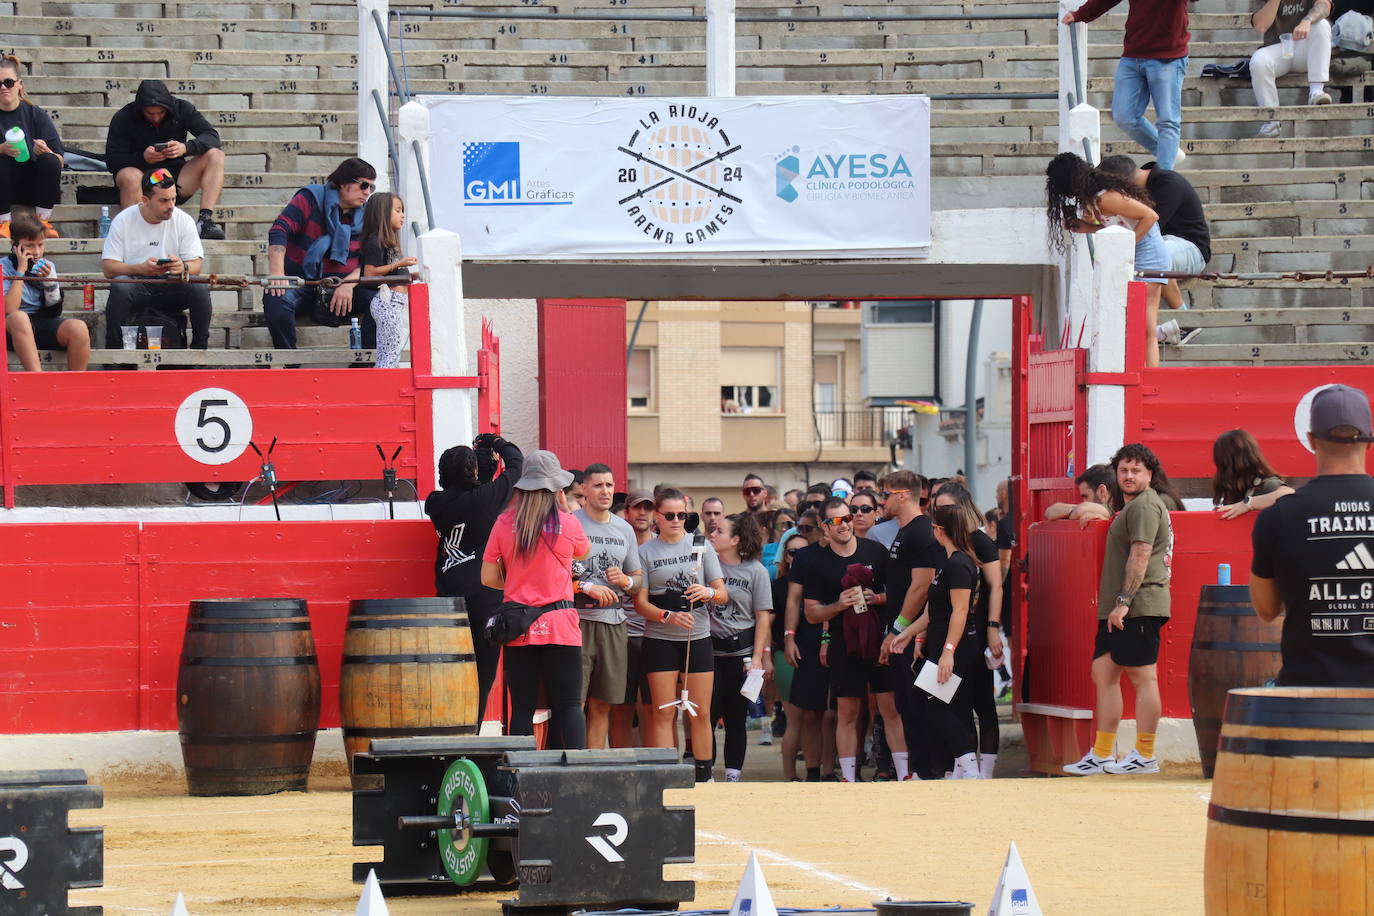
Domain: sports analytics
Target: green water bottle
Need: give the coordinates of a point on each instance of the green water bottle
(15, 135)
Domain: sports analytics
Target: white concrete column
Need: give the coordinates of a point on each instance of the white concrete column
(1106, 341)
(1076, 122)
(440, 257)
(372, 74)
(720, 47)
(1066, 70)
(412, 123)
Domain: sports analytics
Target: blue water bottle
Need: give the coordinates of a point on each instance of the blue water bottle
(355, 336)
(104, 222)
(1223, 574)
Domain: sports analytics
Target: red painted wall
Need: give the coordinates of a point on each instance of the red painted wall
(582, 383)
(93, 615)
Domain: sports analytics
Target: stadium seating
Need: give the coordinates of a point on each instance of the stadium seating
(278, 78)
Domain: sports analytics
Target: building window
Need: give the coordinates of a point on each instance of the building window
(749, 380)
(827, 370)
(639, 380)
(899, 311)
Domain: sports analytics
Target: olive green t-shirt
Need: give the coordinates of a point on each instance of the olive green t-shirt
(1146, 519)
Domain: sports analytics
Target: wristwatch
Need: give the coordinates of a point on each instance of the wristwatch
(1123, 600)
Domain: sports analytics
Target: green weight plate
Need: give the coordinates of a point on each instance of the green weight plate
(463, 791)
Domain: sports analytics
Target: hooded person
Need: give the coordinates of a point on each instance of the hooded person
(157, 130)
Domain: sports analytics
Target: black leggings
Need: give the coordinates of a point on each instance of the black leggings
(728, 704)
(480, 605)
(37, 182)
(922, 749)
(984, 703)
(559, 669)
(951, 724)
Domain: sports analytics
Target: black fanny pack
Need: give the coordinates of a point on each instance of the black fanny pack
(670, 602)
(512, 619)
(727, 645)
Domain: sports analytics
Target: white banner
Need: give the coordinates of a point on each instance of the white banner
(828, 176)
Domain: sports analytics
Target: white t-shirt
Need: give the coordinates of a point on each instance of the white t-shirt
(133, 239)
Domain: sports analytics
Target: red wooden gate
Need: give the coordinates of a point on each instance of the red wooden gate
(582, 382)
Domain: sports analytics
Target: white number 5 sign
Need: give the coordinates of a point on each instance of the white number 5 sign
(213, 426)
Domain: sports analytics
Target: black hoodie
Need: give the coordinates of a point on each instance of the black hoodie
(464, 519)
(130, 133)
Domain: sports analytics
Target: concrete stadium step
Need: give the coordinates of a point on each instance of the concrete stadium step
(322, 357)
(1232, 295)
(1260, 354)
(1309, 254)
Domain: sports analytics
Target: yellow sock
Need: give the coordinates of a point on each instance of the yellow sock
(1145, 745)
(1104, 744)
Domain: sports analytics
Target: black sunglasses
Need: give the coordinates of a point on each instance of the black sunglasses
(806, 529)
(751, 491)
(863, 509)
(676, 516)
(364, 185)
(9, 83)
(792, 552)
(814, 504)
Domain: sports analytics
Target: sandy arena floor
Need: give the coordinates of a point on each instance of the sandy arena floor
(1084, 841)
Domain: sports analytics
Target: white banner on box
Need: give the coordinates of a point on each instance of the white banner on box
(828, 176)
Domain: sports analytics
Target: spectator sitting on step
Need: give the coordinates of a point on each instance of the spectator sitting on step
(1244, 481)
(1182, 221)
(1097, 489)
(35, 182)
(33, 310)
(317, 235)
(151, 133)
(1306, 24)
(157, 241)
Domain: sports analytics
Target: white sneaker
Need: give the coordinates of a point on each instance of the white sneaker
(1131, 765)
(1178, 159)
(766, 733)
(1169, 333)
(1270, 129)
(1090, 765)
(1319, 98)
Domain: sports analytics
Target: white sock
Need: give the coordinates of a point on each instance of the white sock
(847, 768)
(1315, 89)
(900, 764)
(44, 212)
(986, 764)
(731, 774)
(966, 766)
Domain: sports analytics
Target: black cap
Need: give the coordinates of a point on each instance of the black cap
(1340, 407)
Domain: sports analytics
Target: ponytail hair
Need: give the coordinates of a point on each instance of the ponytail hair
(953, 520)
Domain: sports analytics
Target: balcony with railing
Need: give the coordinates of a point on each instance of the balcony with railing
(861, 426)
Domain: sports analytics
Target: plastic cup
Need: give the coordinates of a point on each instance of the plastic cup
(154, 337)
(1286, 43)
(130, 332)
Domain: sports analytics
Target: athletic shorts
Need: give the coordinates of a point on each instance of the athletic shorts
(605, 662)
(854, 677)
(44, 333)
(1134, 647)
(668, 655)
(782, 675)
(811, 683)
(636, 684)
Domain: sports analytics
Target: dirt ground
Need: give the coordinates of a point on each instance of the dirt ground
(1088, 845)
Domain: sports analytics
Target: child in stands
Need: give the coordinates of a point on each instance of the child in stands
(33, 310)
(380, 248)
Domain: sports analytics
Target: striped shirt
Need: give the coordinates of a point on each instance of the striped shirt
(300, 224)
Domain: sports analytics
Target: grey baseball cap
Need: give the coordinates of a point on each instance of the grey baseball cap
(638, 496)
(543, 472)
(1341, 406)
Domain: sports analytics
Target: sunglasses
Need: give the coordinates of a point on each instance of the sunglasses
(814, 504)
(925, 500)
(751, 491)
(793, 551)
(806, 529)
(162, 179)
(839, 520)
(364, 185)
(676, 516)
(863, 509)
(9, 83)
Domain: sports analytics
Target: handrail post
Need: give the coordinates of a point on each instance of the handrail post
(720, 47)
(412, 153)
(372, 76)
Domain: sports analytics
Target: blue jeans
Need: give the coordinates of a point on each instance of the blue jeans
(1140, 81)
(281, 309)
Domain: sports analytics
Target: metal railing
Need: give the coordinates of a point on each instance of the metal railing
(859, 426)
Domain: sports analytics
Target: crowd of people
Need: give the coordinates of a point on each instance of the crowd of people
(641, 621)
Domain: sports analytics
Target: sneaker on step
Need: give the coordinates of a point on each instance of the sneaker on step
(1319, 98)
(1132, 765)
(5, 229)
(1179, 157)
(207, 228)
(1090, 765)
(1169, 333)
(1270, 129)
(49, 231)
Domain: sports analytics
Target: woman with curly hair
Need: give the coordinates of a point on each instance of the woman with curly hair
(1080, 198)
(1244, 481)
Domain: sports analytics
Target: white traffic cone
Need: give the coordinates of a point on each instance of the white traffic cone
(371, 902)
(179, 908)
(1014, 895)
(753, 897)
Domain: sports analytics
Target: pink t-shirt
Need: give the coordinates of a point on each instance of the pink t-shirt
(541, 577)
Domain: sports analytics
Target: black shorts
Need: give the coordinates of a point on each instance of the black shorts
(853, 677)
(636, 684)
(810, 682)
(667, 655)
(1134, 647)
(44, 333)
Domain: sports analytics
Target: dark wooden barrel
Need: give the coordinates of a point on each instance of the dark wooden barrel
(248, 697)
(1289, 826)
(1231, 648)
(408, 671)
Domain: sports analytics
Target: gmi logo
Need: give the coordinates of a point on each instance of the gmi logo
(491, 171)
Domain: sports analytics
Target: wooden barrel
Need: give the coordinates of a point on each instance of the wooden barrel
(408, 671)
(248, 697)
(1291, 821)
(1231, 648)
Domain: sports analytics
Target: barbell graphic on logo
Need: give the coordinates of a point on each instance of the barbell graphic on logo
(606, 845)
(12, 864)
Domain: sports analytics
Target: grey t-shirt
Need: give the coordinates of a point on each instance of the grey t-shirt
(612, 544)
(750, 591)
(671, 568)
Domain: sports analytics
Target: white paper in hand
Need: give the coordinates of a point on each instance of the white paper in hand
(928, 680)
(753, 685)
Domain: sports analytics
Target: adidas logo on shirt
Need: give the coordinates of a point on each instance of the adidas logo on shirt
(1359, 558)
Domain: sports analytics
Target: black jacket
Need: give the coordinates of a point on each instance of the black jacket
(464, 519)
(130, 133)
